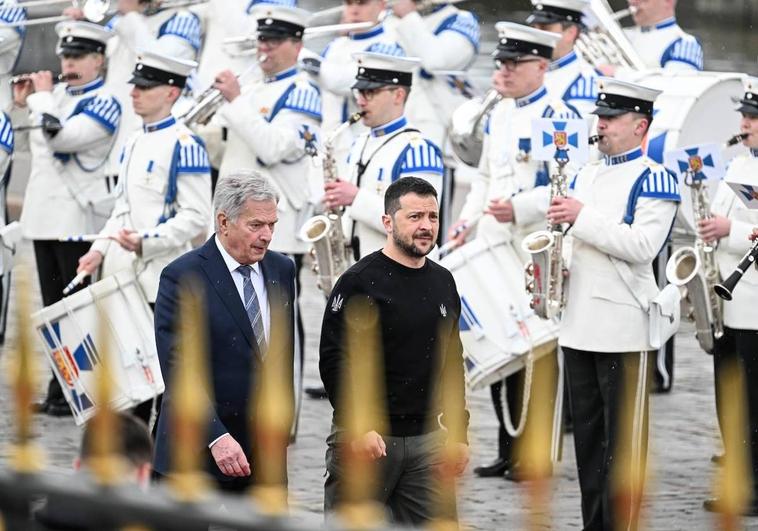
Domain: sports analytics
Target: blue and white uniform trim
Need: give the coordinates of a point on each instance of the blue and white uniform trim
(185, 25)
(421, 156)
(567, 113)
(754, 153)
(6, 133)
(378, 30)
(655, 183)
(464, 23)
(564, 61)
(284, 74)
(111, 24)
(190, 156)
(661, 25)
(531, 98)
(634, 154)
(83, 89)
(684, 50)
(301, 97)
(105, 110)
(288, 3)
(390, 127)
(13, 13)
(386, 48)
(161, 124)
(583, 88)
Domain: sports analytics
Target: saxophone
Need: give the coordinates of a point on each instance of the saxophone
(695, 269)
(546, 272)
(330, 247)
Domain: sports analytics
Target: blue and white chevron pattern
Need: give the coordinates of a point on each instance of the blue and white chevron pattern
(566, 113)
(423, 157)
(10, 12)
(104, 110)
(6, 133)
(306, 99)
(386, 48)
(288, 3)
(193, 158)
(184, 25)
(111, 24)
(684, 50)
(660, 184)
(464, 23)
(583, 88)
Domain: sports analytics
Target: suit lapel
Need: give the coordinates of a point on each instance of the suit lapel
(221, 279)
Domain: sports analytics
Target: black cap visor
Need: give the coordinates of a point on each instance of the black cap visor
(79, 47)
(279, 29)
(512, 48)
(608, 112)
(749, 104)
(371, 78)
(148, 77)
(614, 105)
(554, 14)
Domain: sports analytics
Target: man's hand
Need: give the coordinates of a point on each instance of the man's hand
(714, 228)
(607, 70)
(564, 210)
(498, 83)
(502, 210)
(74, 12)
(42, 81)
(21, 91)
(456, 459)
(228, 84)
(230, 458)
(89, 262)
(459, 232)
(339, 193)
(754, 236)
(400, 8)
(371, 446)
(129, 240)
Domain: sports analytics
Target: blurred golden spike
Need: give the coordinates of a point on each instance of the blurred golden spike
(629, 469)
(190, 392)
(732, 486)
(362, 395)
(534, 448)
(272, 412)
(25, 457)
(106, 464)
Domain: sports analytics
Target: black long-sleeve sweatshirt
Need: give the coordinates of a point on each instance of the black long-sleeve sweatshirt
(418, 313)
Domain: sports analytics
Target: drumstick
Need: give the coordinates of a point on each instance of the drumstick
(95, 237)
(78, 279)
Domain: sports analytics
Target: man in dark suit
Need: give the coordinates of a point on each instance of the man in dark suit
(248, 291)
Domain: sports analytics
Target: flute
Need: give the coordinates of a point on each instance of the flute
(736, 139)
(60, 78)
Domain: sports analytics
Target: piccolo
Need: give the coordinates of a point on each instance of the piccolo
(96, 237)
(726, 288)
(736, 139)
(60, 78)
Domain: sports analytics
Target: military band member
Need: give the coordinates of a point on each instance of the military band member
(443, 38)
(621, 213)
(390, 150)
(507, 174)
(659, 40)
(730, 226)
(11, 41)
(67, 193)
(7, 143)
(570, 77)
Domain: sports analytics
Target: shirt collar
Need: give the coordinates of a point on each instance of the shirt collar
(564, 61)
(612, 160)
(661, 25)
(282, 75)
(373, 32)
(231, 263)
(391, 127)
(160, 124)
(83, 89)
(531, 98)
(754, 152)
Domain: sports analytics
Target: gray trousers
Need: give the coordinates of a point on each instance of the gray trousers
(407, 484)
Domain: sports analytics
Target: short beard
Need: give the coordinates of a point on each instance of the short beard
(410, 249)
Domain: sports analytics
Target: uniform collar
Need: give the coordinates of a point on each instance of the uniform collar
(661, 25)
(373, 32)
(391, 127)
(531, 98)
(754, 152)
(564, 61)
(439, 8)
(624, 157)
(160, 124)
(83, 89)
(284, 74)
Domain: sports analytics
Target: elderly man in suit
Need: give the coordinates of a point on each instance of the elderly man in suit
(248, 292)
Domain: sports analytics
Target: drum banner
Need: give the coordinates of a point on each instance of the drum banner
(698, 163)
(562, 140)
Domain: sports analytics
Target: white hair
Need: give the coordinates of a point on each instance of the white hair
(236, 189)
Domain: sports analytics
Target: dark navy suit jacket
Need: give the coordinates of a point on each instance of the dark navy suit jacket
(234, 359)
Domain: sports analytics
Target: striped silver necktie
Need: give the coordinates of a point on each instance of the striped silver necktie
(253, 308)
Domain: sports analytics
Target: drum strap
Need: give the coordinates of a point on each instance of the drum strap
(528, 373)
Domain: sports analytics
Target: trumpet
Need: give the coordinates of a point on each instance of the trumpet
(725, 290)
(736, 139)
(60, 78)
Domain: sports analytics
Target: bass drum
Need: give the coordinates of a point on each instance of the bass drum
(498, 327)
(694, 108)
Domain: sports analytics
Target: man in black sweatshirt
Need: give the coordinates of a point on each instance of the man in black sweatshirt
(418, 307)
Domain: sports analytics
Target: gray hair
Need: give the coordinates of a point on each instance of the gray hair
(236, 189)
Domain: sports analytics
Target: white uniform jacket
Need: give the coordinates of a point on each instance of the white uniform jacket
(11, 40)
(573, 79)
(386, 153)
(337, 75)
(164, 189)
(7, 143)
(173, 32)
(507, 171)
(269, 127)
(67, 189)
(602, 314)
(742, 311)
(667, 46)
(446, 39)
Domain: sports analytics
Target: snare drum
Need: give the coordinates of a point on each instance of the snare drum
(694, 108)
(69, 330)
(498, 327)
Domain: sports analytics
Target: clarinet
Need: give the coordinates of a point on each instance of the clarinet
(726, 288)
